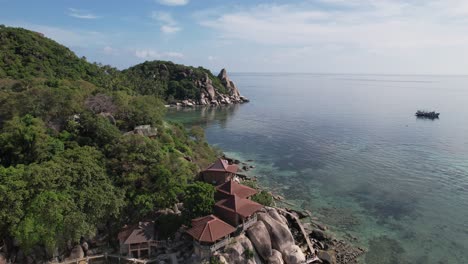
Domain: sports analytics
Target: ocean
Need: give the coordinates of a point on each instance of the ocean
(349, 149)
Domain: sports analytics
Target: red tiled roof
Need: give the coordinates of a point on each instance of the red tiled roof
(141, 233)
(209, 229)
(233, 188)
(241, 206)
(222, 165)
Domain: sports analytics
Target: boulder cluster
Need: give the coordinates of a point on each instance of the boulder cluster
(209, 95)
(269, 240)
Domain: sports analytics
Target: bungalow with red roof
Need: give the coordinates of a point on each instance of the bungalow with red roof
(219, 172)
(237, 211)
(210, 234)
(227, 189)
(136, 240)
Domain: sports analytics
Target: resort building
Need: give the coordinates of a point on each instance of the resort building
(237, 211)
(233, 212)
(210, 234)
(227, 189)
(136, 241)
(219, 172)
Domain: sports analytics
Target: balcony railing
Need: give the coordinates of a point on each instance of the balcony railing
(215, 246)
(249, 222)
(220, 244)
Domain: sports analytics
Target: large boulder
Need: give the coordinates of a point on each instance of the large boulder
(85, 247)
(320, 235)
(260, 238)
(230, 86)
(240, 252)
(208, 87)
(275, 258)
(281, 237)
(294, 255)
(76, 252)
(328, 257)
(275, 215)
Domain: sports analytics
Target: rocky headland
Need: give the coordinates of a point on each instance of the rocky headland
(210, 96)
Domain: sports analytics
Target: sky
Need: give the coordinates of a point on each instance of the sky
(319, 36)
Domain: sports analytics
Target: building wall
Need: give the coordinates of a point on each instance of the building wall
(201, 252)
(216, 177)
(220, 196)
(227, 216)
(123, 249)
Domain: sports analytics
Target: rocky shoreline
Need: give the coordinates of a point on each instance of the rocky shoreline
(209, 96)
(316, 242)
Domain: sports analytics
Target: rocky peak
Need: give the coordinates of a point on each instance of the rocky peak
(209, 95)
(222, 74)
(228, 84)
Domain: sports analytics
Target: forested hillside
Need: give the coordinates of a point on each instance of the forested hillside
(69, 164)
(26, 55)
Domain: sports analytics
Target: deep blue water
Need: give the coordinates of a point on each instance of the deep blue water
(349, 148)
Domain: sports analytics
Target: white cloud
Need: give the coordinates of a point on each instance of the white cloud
(370, 24)
(168, 24)
(173, 2)
(169, 29)
(68, 36)
(152, 54)
(211, 58)
(385, 29)
(82, 14)
(109, 50)
(163, 17)
(173, 54)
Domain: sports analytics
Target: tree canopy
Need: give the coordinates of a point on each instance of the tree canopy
(199, 200)
(68, 165)
(27, 55)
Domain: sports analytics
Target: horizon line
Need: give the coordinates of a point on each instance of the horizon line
(357, 74)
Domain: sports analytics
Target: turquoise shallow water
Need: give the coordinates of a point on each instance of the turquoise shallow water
(348, 148)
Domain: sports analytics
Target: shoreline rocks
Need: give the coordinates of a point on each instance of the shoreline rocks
(260, 238)
(285, 237)
(270, 239)
(209, 96)
(240, 252)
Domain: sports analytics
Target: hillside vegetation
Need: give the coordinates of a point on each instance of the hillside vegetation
(26, 55)
(68, 167)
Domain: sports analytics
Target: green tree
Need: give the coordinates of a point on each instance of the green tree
(168, 225)
(13, 196)
(138, 110)
(152, 175)
(94, 130)
(24, 140)
(51, 219)
(262, 197)
(198, 133)
(198, 200)
(70, 196)
(80, 172)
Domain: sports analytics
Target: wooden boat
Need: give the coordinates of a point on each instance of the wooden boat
(427, 114)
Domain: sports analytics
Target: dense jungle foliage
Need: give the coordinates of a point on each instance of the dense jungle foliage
(67, 166)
